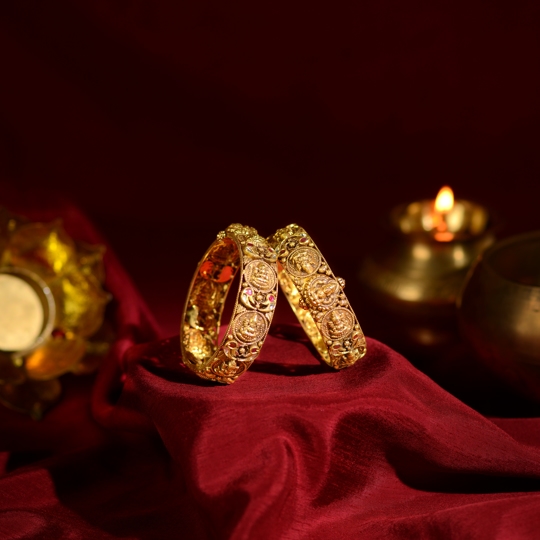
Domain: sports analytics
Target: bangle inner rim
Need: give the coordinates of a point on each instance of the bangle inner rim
(208, 292)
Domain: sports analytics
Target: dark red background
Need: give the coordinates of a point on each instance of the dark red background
(165, 122)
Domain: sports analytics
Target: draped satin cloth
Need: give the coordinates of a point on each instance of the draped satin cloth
(292, 450)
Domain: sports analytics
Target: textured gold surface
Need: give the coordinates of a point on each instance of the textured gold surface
(237, 250)
(316, 296)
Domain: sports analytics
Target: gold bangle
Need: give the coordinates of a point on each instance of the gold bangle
(238, 248)
(316, 296)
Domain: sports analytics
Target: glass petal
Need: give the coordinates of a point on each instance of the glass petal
(57, 356)
(44, 248)
(90, 260)
(83, 303)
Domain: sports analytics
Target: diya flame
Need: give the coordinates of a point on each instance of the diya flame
(444, 204)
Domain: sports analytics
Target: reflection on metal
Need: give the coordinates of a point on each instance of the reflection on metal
(465, 220)
(421, 252)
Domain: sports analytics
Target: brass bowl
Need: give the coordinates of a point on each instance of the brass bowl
(499, 311)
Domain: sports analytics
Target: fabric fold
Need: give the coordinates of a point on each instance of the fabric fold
(366, 449)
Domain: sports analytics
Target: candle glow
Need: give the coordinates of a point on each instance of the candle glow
(442, 219)
(444, 204)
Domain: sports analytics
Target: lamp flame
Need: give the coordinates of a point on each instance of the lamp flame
(445, 200)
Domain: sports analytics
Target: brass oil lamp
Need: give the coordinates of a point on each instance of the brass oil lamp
(414, 278)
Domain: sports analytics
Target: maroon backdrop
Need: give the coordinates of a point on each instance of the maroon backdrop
(160, 124)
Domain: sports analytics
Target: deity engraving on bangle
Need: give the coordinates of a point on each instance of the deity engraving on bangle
(303, 262)
(321, 292)
(256, 246)
(250, 327)
(260, 275)
(337, 324)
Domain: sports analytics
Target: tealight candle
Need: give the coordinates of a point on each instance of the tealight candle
(27, 310)
(418, 272)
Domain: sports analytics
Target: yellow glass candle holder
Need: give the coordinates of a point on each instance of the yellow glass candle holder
(52, 311)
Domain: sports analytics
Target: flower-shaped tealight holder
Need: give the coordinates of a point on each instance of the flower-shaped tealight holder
(52, 307)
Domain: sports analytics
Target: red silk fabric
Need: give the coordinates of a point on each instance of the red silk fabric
(292, 450)
(296, 450)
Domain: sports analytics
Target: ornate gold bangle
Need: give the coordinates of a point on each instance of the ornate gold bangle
(316, 296)
(238, 248)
